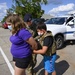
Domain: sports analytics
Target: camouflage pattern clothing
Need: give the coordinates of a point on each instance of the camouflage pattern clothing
(33, 61)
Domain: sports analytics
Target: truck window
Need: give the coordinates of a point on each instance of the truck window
(58, 21)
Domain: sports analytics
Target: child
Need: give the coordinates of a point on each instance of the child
(48, 49)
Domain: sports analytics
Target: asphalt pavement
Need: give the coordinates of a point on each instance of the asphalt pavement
(65, 63)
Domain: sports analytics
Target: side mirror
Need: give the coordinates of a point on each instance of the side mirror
(70, 23)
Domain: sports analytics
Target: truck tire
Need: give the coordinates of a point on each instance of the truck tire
(59, 41)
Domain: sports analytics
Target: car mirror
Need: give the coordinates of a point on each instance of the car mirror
(70, 23)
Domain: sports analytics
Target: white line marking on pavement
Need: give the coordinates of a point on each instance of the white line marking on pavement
(7, 61)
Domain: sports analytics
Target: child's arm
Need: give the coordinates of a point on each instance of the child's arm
(41, 51)
(48, 41)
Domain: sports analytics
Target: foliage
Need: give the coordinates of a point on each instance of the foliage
(3, 19)
(22, 7)
(29, 6)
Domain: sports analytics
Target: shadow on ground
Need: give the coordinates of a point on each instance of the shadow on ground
(61, 67)
(68, 42)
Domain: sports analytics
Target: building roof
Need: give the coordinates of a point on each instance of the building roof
(46, 16)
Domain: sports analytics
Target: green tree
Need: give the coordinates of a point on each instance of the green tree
(3, 20)
(22, 7)
(29, 6)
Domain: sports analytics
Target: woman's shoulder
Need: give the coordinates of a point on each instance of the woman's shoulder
(23, 30)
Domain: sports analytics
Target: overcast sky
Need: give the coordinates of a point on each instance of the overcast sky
(54, 7)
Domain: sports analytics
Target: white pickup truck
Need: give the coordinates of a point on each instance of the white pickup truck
(63, 28)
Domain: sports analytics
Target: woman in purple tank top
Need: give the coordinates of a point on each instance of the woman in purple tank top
(22, 43)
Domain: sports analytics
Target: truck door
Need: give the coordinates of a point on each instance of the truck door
(70, 30)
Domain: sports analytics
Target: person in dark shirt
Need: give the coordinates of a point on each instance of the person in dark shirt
(46, 41)
(48, 49)
(28, 22)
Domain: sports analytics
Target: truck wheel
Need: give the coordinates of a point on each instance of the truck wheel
(59, 41)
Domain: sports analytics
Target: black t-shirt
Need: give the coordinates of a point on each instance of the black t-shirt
(48, 41)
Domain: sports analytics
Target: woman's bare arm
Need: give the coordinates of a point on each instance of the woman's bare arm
(32, 42)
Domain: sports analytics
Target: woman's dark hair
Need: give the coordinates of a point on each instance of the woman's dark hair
(41, 25)
(16, 21)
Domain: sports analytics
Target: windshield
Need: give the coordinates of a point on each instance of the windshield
(58, 20)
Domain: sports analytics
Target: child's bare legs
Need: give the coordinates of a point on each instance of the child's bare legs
(54, 73)
(46, 73)
(19, 71)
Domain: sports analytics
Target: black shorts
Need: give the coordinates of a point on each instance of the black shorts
(22, 62)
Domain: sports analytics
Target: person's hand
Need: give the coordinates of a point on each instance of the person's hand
(34, 51)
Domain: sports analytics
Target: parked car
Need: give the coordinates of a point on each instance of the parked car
(63, 28)
(5, 26)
